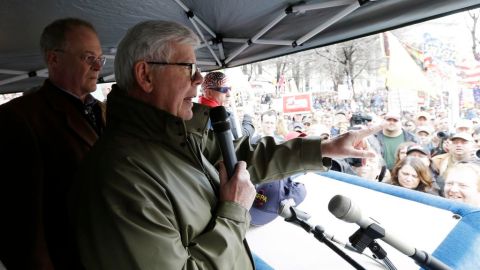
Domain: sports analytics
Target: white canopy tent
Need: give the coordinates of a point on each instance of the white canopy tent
(234, 32)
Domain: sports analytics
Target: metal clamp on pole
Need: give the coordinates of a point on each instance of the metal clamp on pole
(298, 217)
(364, 238)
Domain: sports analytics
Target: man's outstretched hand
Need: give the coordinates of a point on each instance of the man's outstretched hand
(350, 144)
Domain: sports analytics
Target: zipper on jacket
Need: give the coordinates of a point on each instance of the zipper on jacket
(198, 157)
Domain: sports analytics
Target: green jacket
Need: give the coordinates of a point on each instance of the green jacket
(146, 195)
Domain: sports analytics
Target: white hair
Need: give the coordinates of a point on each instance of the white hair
(149, 40)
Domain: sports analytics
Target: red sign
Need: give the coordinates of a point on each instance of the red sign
(299, 103)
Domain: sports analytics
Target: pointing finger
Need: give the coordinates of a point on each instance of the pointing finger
(362, 133)
(362, 154)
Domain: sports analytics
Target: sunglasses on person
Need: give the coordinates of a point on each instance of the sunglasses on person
(192, 66)
(223, 89)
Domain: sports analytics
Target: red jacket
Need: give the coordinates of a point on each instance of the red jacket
(208, 102)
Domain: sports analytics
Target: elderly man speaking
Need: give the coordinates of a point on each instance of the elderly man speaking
(149, 195)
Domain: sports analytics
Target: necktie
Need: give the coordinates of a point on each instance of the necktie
(89, 111)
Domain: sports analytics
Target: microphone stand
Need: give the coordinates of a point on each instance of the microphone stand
(363, 238)
(318, 233)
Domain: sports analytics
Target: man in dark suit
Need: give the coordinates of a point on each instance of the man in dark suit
(44, 135)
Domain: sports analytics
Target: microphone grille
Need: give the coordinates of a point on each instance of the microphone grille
(218, 114)
(339, 206)
(219, 119)
(284, 210)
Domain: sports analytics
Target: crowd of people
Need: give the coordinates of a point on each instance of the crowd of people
(413, 150)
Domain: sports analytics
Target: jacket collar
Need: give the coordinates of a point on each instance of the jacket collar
(64, 105)
(142, 120)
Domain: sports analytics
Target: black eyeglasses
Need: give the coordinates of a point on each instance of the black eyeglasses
(89, 58)
(223, 89)
(192, 66)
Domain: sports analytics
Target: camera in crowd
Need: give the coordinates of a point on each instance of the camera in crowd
(359, 119)
(341, 165)
(355, 162)
(443, 135)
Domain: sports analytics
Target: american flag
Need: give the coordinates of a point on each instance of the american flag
(469, 73)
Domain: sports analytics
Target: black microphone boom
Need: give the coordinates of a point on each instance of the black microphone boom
(343, 208)
(221, 128)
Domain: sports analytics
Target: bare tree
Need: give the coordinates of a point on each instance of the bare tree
(474, 15)
(301, 68)
(280, 68)
(348, 60)
(248, 70)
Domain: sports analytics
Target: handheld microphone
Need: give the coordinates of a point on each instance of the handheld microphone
(343, 208)
(221, 128)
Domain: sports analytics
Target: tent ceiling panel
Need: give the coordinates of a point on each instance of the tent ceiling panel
(21, 23)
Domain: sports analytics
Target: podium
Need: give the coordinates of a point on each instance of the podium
(446, 229)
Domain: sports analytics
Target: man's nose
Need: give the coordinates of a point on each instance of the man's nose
(197, 78)
(97, 65)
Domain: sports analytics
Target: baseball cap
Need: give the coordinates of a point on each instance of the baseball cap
(392, 115)
(418, 148)
(462, 135)
(425, 115)
(425, 129)
(269, 196)
(464, 123)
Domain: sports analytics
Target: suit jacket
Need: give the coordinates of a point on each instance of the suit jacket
(43, 138)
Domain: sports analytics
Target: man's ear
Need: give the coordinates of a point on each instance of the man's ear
(143, 76)
(52, 58)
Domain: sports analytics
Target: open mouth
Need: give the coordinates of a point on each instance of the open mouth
(188, 100)
(456, 198)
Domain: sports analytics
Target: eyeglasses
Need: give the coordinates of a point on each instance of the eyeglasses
(223, 89)
(192, 66)
(93, 60)
(89, 59)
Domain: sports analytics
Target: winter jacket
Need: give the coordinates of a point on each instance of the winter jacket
(147, 195)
